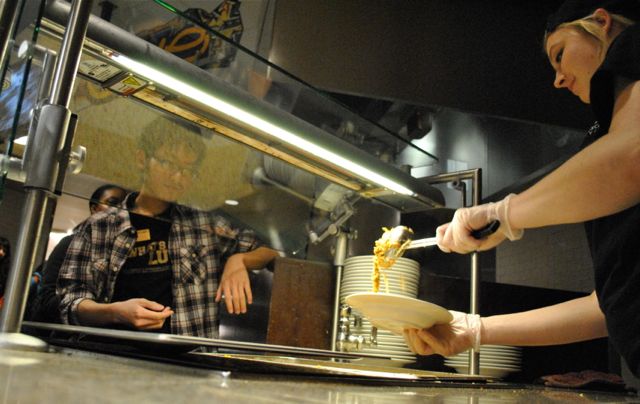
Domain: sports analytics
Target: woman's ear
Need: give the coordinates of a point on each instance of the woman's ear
(603, 18)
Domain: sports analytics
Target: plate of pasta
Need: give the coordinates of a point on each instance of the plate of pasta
(394, 313)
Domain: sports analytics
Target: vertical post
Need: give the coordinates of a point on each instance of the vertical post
(474, 303)
(49, 140)
(9, 15)
(474, 299)
(338, 261)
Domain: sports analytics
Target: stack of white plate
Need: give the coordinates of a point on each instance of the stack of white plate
(495, 360)
(403, 279)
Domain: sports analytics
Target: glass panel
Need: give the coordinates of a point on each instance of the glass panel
(219, 184)
(20, 82)
(160, 158)
(214, 36)
(231, 178)
(220, 98)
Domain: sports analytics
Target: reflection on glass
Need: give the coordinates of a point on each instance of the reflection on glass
(228, 170)
(179, 177)
(227, 38)
(175, 233)
(20, 81)
(159, 264)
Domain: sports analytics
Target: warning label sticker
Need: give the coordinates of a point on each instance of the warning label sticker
(97, 70)
(128, 85)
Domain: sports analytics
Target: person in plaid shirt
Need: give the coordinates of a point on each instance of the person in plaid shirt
(157, 265)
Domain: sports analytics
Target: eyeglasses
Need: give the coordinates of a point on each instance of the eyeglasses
(173, 168)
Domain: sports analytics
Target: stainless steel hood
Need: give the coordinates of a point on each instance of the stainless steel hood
(166, 82)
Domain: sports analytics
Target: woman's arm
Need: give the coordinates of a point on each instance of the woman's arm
(602, 179)
(576, 320)
(572, 321)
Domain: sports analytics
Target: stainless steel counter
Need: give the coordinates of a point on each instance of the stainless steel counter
(73, 376)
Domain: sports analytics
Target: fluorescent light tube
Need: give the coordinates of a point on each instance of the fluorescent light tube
(207, 99)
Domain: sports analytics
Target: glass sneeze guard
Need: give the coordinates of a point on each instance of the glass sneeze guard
(181, 88)
(277, 170)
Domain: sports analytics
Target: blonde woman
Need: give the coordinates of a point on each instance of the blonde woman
(594, 48)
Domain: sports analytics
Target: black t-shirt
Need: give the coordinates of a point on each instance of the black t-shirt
(147, 272)
(615, 240)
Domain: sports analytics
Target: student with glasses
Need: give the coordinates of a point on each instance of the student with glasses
(158, 265)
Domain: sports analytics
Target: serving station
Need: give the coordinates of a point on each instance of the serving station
(80, 92)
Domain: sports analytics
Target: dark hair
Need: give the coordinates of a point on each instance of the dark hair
(99, 192)
(162, 131)
(4, 264)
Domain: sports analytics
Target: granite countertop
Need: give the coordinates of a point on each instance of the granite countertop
(73, 376)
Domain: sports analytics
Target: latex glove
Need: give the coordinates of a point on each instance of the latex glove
(456, 235)
(461, 334)
(235, 285)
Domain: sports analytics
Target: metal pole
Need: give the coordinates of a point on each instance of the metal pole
(338, 261)
(9, 10)
(42, 177)
(474, 303)
(69, 55)
(474, 299)
(22, 262)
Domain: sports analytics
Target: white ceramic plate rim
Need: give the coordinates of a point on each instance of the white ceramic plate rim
(395, 312)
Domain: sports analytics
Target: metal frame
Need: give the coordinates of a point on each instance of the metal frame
(475, 175)
(50, 141)
(9, 15)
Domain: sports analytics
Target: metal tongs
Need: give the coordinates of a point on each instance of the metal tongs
(402, 236)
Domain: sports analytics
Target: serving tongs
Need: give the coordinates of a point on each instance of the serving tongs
(402, 236)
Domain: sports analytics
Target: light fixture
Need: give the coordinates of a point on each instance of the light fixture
(256, 122)
(231, 202)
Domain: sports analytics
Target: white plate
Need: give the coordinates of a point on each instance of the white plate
(395, 313)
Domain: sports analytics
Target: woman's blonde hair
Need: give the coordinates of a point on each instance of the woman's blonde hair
(590, 26)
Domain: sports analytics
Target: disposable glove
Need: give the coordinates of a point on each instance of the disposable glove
(459, 335)
(456, 235)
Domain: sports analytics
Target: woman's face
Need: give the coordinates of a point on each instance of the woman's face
(575, 56)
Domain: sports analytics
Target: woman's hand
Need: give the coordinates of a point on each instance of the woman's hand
(456, 235)
(461, 334)
(235, 285)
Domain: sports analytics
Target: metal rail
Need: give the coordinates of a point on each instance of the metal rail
(9, 15)
(195, 342)
(49, 141)
(475, 175)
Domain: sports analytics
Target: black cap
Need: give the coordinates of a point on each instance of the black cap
(572, 10)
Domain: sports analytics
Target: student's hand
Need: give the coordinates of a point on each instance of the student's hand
(235, 285)
(456, 235)
(141, 314)
(462, 333)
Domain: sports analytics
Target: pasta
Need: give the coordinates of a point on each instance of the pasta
(386, 251)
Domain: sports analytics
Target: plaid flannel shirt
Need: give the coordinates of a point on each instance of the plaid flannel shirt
(199, 245)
